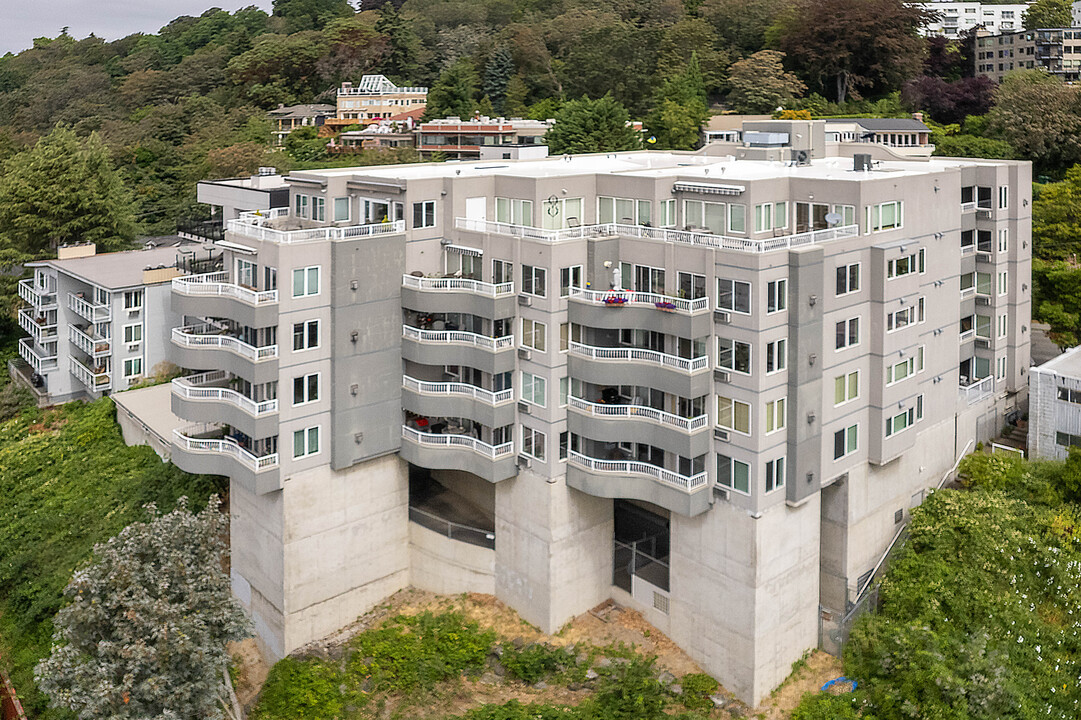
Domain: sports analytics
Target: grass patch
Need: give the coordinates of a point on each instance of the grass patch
(536, 662)
(308, 689)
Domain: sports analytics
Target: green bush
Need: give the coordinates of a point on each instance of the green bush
(514, 710)
(697, 687)
(535, 662)
(823, 706)
(294, 689)
(628, 691)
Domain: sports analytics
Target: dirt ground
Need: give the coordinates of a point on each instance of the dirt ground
(603, 625)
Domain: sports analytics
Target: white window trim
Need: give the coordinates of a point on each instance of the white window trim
(319, 437)
(780, 359)
(318, 389)
(124, 333)
(750, 296)
(845, 376)
(130, 361)
(319, 279)
(533, 433)
(779, 421)
(731, 487)
(532, 385)
(750, 356)
(783, 460)
(848, 452)
(318, 335)
(750, 416)
(859, 331)
(859, 275)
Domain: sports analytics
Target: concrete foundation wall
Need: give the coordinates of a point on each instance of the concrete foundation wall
(442, 565)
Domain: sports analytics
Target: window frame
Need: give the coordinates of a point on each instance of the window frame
(130, 341)
(732, 352)
(848, 334)
(305, 334)
(733, 295)
(133, 362)
(427, 214)
(850, 444)
(845, 271)
(776, 414)
(731, 484)
(776, 296)
(308, 433)
(847, 380)
(305, 286)
(306, 387)
(530, 386)
(533, 334)
(774, 477)
(732, 412)
(531, 434)
(777, 353)
(535, 273)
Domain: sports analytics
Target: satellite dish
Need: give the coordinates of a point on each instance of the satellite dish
(833, 218)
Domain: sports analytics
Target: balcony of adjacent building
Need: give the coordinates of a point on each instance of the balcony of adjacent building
(627, 413)
(41, 358)
(38, 324)
(96, 375)
(459, 390)
(448, 338)
(213, 449)
(39, 294)
(88, 308)
(456, 443)
(278, 226)
(638, 471)
(226, 345)
(460, 293)
(686, 314)
(216, 295)
(218, 396)
(646, 358)
(89, 341)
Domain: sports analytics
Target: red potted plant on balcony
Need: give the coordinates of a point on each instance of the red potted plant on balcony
(615, 300)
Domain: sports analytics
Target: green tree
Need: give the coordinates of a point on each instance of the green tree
(584, 126)
(693, 36)
(402, 62)
(840, 46)
(676, 121)
(1056, 218)
(497, 76)
(63, 190)
(304, 144)
(144, 634)
(310, 14)
(759, 83)
(1040, 117)
(741, 25)
(1049, 14)
(454, 93)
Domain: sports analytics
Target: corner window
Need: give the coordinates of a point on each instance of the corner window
(884, 216)
(737, 219)
(534, 280)
(733, 474)
(533, 334)
(775, 470)
(306, 281)
(733, 415)
(845, 442)
(770, 216)
(133, 300)
(533, 442)
(305, 442)
(300, 206)
(734, 296)
(534, 389)
(424, 214)
(569, 277)
(905, 265)
(734, 355)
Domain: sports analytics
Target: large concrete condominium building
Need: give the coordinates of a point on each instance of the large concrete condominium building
(706, 386)
(956, 18)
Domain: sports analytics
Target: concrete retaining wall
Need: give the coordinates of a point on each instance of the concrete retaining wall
(442, 565)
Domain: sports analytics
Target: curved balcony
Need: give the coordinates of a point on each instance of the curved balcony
(639, 481)
(224, 456)
(455, 399)
(686, 377)
(211, 294)
(457, 347)
(458, 295)
(641, 424)
(95, 347)
(206, 346)
(207, 398)
(459, 452)
(615, 309)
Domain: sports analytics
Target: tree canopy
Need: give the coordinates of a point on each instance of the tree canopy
(585, 125)
(759, 83)
(1049, 14)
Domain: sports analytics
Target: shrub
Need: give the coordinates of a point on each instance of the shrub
(697, 687)
(823, 706)
(628, 691)
(515, 710)
(535, 662)
(308, 689)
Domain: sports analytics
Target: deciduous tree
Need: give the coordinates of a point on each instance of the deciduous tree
(1040, 117)
(455, 93)
(585, 125)
(1049, 14)
(310, 14)
(759, 83)
(676, 121)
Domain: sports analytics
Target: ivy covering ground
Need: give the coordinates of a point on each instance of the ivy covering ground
(67, 482)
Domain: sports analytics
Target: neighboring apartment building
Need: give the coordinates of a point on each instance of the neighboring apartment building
(1055, 50)
(459, 139)
(286, 119)
(957, 18)
(376, 97)
(707, 386)
(1054, 409)
(97, 323)
(905, 137)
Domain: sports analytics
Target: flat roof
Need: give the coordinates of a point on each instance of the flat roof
(118, 270)
(1067, 364)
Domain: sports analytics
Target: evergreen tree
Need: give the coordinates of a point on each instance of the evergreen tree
(402, 61)
(680, 110)
(584, 126)
(310, 14)
(63, 190)
(497, 75)
(454, 94)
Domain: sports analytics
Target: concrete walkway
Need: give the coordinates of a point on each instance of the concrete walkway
(1042, 349)
(146, 418)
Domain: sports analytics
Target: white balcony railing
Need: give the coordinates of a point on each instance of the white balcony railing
(43, 331)
(92, 346)
(255, 226)
(458, 285)
(227, 447)
(457, 389)
(216, 285)
(201, 336)
(40, 298)
(630, 297)
(976, 391)
(198, 388)
(639, 412)
(458, 441)
(96, 380)
(624, 467)
(686, 237)
(967, 207)
(39, 361)
(967, 335)
(89, 311)
(653, 357)
(458, 337)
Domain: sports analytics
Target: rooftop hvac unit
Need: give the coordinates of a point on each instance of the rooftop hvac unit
(861, 162)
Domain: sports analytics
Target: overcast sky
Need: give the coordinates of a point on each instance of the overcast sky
(23, 20)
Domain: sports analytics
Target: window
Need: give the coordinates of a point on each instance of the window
(770, 216)
(919, 357)
(848, 333)
(776, 355)
(569, 277)
(133, 367)
(698, 215)
(1003, 283)
(734, 355)
(734, 295)
(306, 335)
(133, 300)
(1003, 240)
(533, 443)
(737, 218)
(534, 389)
(533, 334)
(692, 286)
(1067, 440)
(133, 333)
(502, 272)
(734, 415)
(733, 474)
(319, 208)
(1001, 366)
(534, 280)
(775, 415)
(341, 209)
(983, 283)
(305, 389)
(1069, 395)
(668, 213)
(564, 390)
(560, 213)
(900, 318)
(306, 281)
(513, 211)
(1003, 194)
(305, 442)
(642, 278)
(845, 442)
(776, 296)
(884, 216)
(245, 273)
(568, 333)
(848, 278)
(626, 211)
(968, 239)
(846, 387)
(905, 265)
(563, 437)
(899, 371)
(1003, 325)
(424, 214)
(301, 206)
(775, 474)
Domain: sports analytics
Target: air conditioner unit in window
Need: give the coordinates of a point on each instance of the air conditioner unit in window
(720, 434)
(524, 354)
(133, 347)
(722, 316)
(722, 376)
(525, 301)
(524, 407)
(133, 311)
(524, 461)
